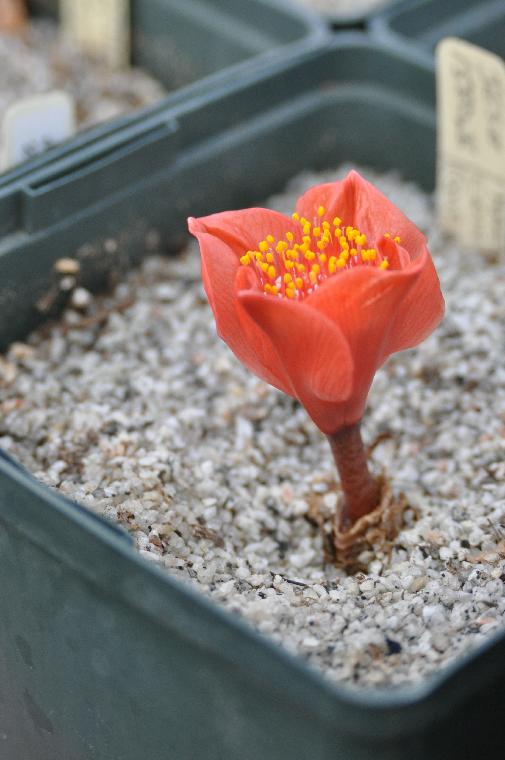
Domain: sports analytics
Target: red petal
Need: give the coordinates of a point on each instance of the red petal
(363, 302)
(312, 349)
(243, 230)
(236, 328)
(358, 203)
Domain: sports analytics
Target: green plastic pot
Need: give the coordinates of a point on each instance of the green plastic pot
(416, 26)
(183, 41)
(103, 656)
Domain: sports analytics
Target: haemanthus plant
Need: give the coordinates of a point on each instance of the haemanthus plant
(314, 304)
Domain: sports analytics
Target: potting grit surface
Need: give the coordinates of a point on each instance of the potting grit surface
(132, 405)
(41, 60)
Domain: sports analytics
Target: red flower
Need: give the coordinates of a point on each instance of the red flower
(314, 304)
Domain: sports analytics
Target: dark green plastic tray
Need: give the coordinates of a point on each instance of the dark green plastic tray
(415, 26)
(102, 655)
(183, 41)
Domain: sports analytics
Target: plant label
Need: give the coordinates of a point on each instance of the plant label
(471, 145)
(100, 28)
(33, 124)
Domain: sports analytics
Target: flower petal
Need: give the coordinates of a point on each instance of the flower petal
(358, 203)
(364, 302)
(312, 349)
(243, 230)
(250, 344)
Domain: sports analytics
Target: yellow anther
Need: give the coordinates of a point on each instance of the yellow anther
(326, 225)
(299, 282)
(270, 238)
(387, 235)
(353, 252)
(274, 290)
(263, 266)
(300, 267)
(245, 260)
(315, 268)
(290, 293)
(321, 211)
(372, 254)
(316, 231)
(337, 221)
(272, 272)
(267, 288)
(287, 278)
(337, 231)
(289, 236)
(295, 217)
(307, 228)
(360, 239)
(343, 242)
(303, 248)
(341, 263)
(291, 254)
(258, 256)
(397, 239)
(321, 244)
(323, 258)
(281, 246)
(332, 264)
(384, 264)
(313, 277)
(310, 255)
(270, 258)
(263, 246)
(307, 239)
(289, 264)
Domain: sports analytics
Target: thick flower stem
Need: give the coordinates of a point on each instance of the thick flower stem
(362, 492)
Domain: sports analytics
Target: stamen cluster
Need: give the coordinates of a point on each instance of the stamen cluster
(294, 266)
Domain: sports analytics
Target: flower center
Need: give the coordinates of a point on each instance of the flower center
(296, 265)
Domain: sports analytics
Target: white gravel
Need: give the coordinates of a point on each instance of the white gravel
(41, 60)
(341, 10)
(147, 418)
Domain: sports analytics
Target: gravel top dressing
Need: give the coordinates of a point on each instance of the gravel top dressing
(132, 405)
(40, 60)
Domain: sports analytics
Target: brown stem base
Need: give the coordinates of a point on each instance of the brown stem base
(371, 533)
(352, 548)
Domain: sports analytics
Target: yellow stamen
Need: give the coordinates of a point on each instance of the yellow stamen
(384, 264)
(263, 246)
(321, 211)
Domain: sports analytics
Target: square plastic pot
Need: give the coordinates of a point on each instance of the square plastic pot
(416, 26)
(183, 41)
(103, 656)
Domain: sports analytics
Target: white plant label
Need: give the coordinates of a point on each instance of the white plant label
(33, 124)
(471, 145)
(100, 28)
